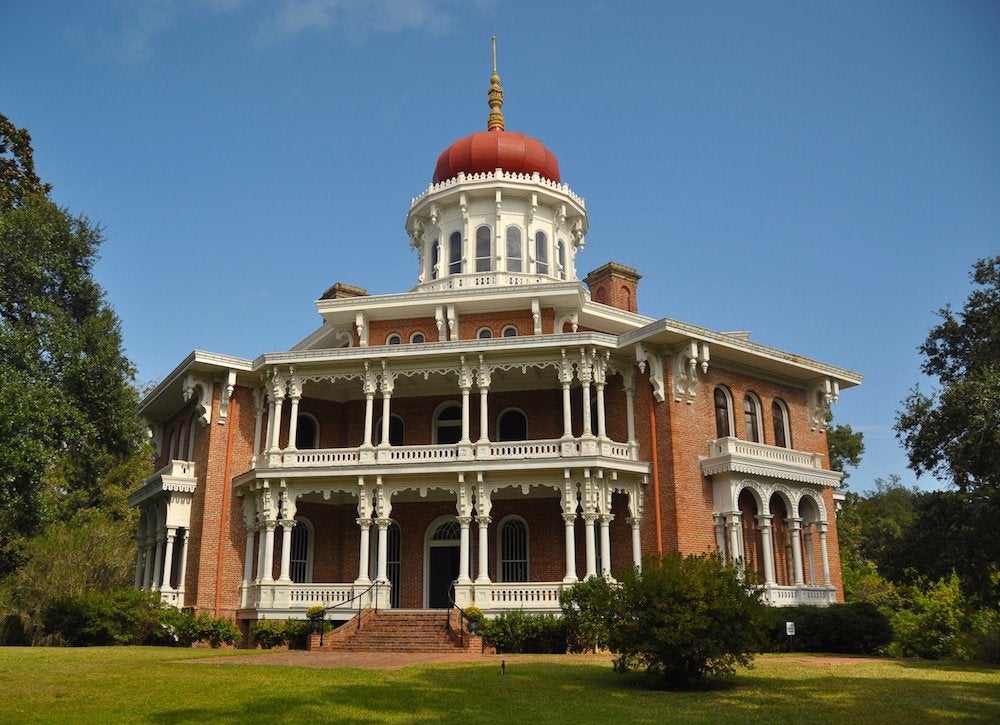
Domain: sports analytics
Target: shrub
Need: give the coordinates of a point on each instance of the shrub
(930, 625)
(515, 632)
(96, 618)
(185, 629)
(858, 628)
(588, 609)
(297, 632)
(269, 633)
(685, 618)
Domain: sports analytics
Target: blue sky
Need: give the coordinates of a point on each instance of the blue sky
(821, 174)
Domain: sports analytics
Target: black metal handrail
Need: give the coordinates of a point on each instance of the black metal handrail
(357, 597)
(462, 618)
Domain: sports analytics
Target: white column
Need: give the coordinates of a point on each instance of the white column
(363, 547)
(258, 424)
(383, 549)
(733, 525)
(139, 560)
(794, 525)
(824, 555)
(386, 405)
(606, 544)
(293, 418)
(635, 523)
(267, 575)
(182, 568)
(286, 549)
(810, 565)
(570, 521)
(585, 376)
(158, 559)
(567, 412)
(168, 558)
(276, 428)
(602, 426)
(484, 415)
(260, 553)
(483, 575)
(147, 572)
(720, 534)
(369, 414)
(248, 557)
(465, 414)
(764, 522)
(463, 550)
(588, 524)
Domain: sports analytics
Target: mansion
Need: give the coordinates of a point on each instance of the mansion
(507, 427)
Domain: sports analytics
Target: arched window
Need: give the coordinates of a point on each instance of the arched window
(395, 431)
(484, 334)
(541, 253)
(779, 416)
(514, 254)
(455, 253)
(751, 417)
(300, 560)
(393, 339)
(417, 337)
(512, 425)
(484, 261)
(509, 331)
(723, 413)
(435, 258)
(306, 432)
(448, 425)
(561, 258)
(393, 558)
(627, 299)
(513, 548)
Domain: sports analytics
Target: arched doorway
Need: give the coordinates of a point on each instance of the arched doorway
(442, 557)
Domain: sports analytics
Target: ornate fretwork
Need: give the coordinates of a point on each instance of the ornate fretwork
(202, 387)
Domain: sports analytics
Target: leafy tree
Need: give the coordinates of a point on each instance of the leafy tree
(954, 433)
(588, 609)
(18, 179)
(685, 618)
(69, 433)
(845, 447)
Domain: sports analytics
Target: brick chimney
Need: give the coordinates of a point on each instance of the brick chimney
(614, 285)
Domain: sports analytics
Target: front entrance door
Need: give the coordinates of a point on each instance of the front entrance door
(442, 562)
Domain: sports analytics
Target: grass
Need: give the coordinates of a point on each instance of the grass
(135, 684)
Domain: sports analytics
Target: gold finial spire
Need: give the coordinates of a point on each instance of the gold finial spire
(495, 120)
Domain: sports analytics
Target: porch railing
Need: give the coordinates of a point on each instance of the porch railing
(790, 596)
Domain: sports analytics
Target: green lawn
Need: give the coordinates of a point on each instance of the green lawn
(134, 684)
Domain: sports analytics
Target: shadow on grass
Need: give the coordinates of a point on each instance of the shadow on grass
(589, 692)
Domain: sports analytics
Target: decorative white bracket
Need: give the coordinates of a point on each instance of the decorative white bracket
(536, 315)
(687, 359)
(192, 384)
(644, 356)
(821, 395)
(361, 327)
(452, 323)
(227, 393)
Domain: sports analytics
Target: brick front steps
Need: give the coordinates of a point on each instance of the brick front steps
(398, 630)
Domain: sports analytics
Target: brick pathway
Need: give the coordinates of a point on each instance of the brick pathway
(382, 660)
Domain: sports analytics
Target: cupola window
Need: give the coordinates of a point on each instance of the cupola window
(561, 258)
(455, 253)
(541, 253)
(435, 258)
(514, 255)
(483, 256)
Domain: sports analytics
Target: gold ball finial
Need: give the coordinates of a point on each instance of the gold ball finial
(495, 120)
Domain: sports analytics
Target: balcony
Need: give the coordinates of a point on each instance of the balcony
(510, 451)
(176, 476)
(726, 455)
(816, 596)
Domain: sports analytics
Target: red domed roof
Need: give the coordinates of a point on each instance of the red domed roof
(497, 149)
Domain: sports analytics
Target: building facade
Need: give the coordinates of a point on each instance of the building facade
(498, 432)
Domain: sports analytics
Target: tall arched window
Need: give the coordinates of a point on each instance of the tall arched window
(751, 417)
(306, 432)
(513, 550)
(393, 559)
(541, 253)
(455, 253)
(448, 425)
(514, 254)
(484, 257)
(561, 258)
(723, 413)
(300, 559)
(395, 431)
(512, 425)
(779, 416)
(435, 258)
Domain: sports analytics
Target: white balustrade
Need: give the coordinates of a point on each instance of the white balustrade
(760, 451)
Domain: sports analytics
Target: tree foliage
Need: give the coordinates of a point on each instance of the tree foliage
(954, 433)
(844, 445)
(69, 433)
(686, 618)
(588, 609)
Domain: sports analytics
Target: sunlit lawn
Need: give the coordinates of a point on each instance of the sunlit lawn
(163, 686)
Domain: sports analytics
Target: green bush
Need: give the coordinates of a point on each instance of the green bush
(931, 623)
(983, 639)
(185, 629)
(858, 628)
(96, 618)
(588, 610)
(686, 618)
(297, 633)
(269, 633)
(516, 632)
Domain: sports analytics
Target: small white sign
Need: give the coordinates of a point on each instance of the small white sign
(790, 629)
